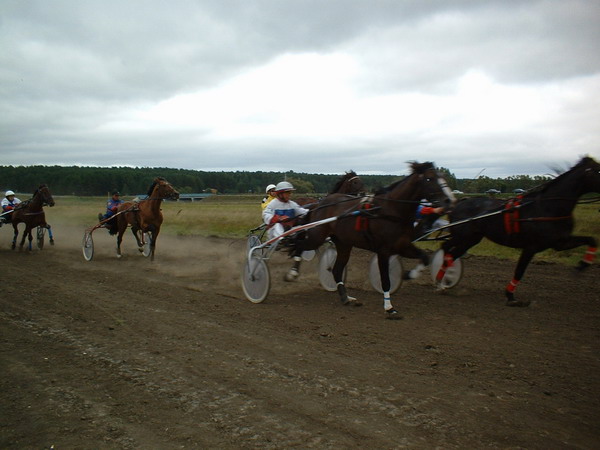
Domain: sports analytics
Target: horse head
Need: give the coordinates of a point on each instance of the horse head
(432, 184)
(45, 194)
(591, 177)
(164, 190)
(349, 183)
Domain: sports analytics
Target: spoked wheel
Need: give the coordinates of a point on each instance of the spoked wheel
(395, 270)
(41, 232)
(256, 280)
(453, 274)
(253, 241)
(88, 246)
(146, 249)
(326, 261)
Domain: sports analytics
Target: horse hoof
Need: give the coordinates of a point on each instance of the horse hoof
(292, 275)
(582, 266)
(517, 303)
(351, 301)
(51, 241)
(119, 256)
(392, 314)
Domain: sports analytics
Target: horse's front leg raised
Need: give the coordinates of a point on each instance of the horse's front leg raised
(343, 255)
(383, 261)
(415, 252)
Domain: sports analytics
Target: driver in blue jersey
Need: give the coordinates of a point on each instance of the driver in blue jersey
(111, 206)
(280, 213)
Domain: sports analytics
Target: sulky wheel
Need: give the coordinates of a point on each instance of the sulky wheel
(327, 259)
(395, 270)
(88, 246)
(453, 274)
(256, 280)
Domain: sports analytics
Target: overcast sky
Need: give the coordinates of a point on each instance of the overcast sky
(512, 87)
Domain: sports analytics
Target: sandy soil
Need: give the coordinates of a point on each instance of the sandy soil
(133, 354)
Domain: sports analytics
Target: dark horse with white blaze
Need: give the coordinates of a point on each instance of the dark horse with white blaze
(382, 223)
(31, 213)
(145, 216)
(540, 219)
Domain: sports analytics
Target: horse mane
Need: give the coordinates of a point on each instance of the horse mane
(559, 177)
(342, 180)
(154, 183)
(418, 168)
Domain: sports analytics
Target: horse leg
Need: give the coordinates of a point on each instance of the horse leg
(50, 235)
(120, 234)
(454, 249)
(576, 241)
(304, 241)
(383, 261)
(14, 241)
(524, 260)
(135, 231)
(343, 254)
(415, 252)
(23, 237)
(154, 230)
(30, 237)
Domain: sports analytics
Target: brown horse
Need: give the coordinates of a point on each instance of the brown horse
(382, 223)
(145, 216)
(31, 213)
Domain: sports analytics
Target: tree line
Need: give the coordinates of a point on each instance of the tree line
(97, 181)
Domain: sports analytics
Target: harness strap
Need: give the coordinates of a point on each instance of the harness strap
(511, 215)
(362, 220)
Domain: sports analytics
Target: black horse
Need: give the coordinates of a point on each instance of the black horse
(540, 219)
(382, 223)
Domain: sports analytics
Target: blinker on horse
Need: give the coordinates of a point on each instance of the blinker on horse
(385, 225)
(145, 216)
(31, 213)
(540, 219)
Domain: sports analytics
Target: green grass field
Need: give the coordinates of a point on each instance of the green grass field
(231, 216)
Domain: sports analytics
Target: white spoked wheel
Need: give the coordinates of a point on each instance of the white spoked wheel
(453, 274)
(253, 241)
(308, 255)
(41, 231)
(88, 246)
(146, 250)
(256, 280)
(395, 269)
(326, 261)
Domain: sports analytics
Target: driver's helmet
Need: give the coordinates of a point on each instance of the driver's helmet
(269, 187)
(9, 193)
(284, 186)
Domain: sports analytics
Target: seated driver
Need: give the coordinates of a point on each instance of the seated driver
(9, 203)
(280, 213)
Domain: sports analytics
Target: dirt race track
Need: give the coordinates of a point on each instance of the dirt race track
(133, 354)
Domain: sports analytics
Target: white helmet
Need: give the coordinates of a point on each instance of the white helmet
(9, 193)
(284, 186)
(269, 187)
